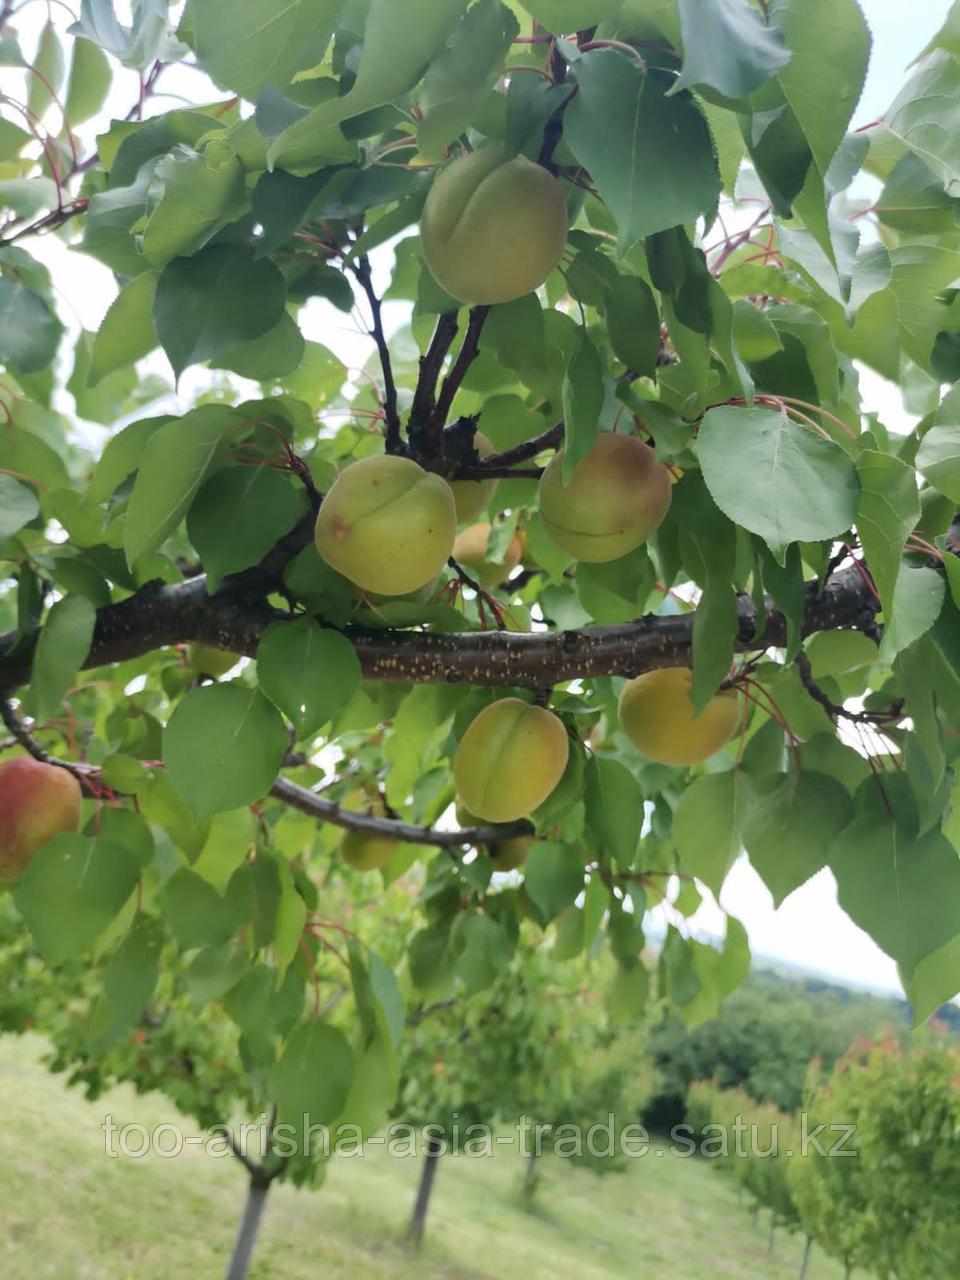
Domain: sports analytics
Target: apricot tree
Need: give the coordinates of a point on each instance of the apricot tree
(732, 258)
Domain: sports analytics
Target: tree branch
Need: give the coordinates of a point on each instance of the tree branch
(836, 710)
(425, 442)
(465, 357)
(309, 802)
(235, 617)
(20, 734)
(524, 452)
(393, 441)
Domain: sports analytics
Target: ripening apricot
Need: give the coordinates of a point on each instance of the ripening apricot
(37, 802)
(509, 760)
(473, 496)
(387, 525)
(616, 499)
(656, 714)
(365, 852)
(493, 226)
(470, 550)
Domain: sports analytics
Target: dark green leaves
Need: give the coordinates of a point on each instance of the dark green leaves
(309, 672)
(582, 396)
(707, 824)
(238, 515)
(650, 156)
(72, 890)
(614, 808)
(63, 645)
(311, 1082)
(888, 511)
(29, 331)
(776, 478)
(790, 826)
(223, 747)
(196, 195)
(127, 331)
(18, 506)
(633, 324)
(926, 117)
(553, 876)
(728, 47)
(207, 304)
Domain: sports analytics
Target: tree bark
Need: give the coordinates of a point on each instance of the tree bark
(805, 1260)
(418, 1219)
(235, 617)
(530, 1175)
(249, 1229)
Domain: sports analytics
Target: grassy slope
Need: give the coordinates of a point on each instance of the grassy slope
(66, 1210)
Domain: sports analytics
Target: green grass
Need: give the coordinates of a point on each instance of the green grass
(68, 1210)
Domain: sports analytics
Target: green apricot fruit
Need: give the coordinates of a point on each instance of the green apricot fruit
(387, 525)
(506, 855)
(473, 496)
(656, 714)
(365, 852)
(470, 550)
(493, 226)
(617, 497)
(509, 760)
(37, 802)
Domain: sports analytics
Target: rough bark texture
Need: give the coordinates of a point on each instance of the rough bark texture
(236, 616)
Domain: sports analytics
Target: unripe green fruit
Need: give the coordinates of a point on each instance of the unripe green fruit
(616, 499)
(387, 525)
(366, 852)
(37, 802)
(506, 855)
(493, 226)
(473, 496)
(656, 714)
(509, 760)
(470, 550)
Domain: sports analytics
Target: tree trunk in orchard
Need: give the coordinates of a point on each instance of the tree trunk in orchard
(771, 1237)
(249, 1228)
(805, 1260)
(418, 1219)
(530, 1176)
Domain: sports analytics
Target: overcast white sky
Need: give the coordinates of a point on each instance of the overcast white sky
(809, 930)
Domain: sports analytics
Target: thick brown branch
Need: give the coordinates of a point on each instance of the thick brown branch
(524, 452)
(423, 440)
(465, 358)
(408, 832)
(390, 411)
(234, 619)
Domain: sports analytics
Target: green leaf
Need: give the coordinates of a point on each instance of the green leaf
(614, 808)
(130, 975)
(121, 456)
(246, 44)
(43, 83)
(192, 196)
(71, 891)
(109, 222)
(707, 825)
(460, 77)
(829, 43)
(888, 512)
(791, 823)
(210, 303)
(776, 478)
(29, 331)
(61, 651)
(311, 1082)
(18, 506)
(728, 47)
(89, 82)
(582, 401)
(240, 514)
(311, 673)
(650, 156)
(197, 915)
(926, 117)
(903, 890)
(223, 747)
(485, 952)
(935, 980)
(633, 324)
(917, 601)
(173, 465)
(553, 877)
(938, 458)
(127, 331)
(274, 354)
(399, 41)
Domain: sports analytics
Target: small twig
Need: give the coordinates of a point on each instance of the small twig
(424, 398)
(22, 735)
(465, 357)
(835, 710)
(523, 452)
(407, 832)
(361, 269)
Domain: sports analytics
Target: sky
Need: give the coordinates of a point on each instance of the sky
(809, 930)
